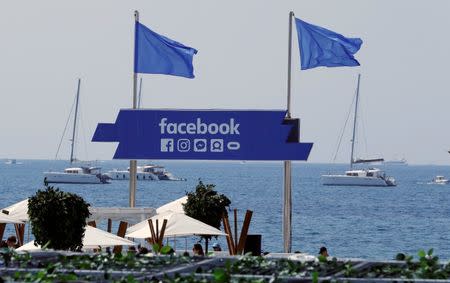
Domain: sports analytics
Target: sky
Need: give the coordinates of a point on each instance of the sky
(241, 64)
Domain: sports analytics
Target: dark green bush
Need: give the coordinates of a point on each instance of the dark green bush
(58, 219)
(206, 205)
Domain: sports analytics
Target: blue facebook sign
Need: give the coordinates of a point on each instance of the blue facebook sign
(204, 135)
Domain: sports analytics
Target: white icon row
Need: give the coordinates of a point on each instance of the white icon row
(197, 145)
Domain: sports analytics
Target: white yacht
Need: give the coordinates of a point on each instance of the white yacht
(359, 177)
(148, 172)
(76, 175)
(440, 180)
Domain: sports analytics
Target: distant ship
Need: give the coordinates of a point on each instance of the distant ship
(147, 172)
(396, 162)
(11, 161)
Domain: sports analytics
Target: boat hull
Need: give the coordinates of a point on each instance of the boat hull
(343, 180)
(69, 178)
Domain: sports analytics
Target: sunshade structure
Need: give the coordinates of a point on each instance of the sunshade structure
(93, 238)
(18, 210)
(174, 206)
(128, 214)
(178, 224)
(4, 218)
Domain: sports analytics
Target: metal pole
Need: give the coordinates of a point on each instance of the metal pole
(287, 204)
(288, 114)
(354, 123)
(75, 122)
(133, 163)
(140, 92)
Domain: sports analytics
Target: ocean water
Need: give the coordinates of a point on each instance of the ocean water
(371, 223)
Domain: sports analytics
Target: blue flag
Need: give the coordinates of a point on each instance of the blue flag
(157, 54)
(322, 47)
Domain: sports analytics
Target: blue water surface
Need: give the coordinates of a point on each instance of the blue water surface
(363, 222)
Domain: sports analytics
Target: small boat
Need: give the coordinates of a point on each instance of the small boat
(372, 177)
(11, 161)
(396, 162)
(149, 172)
(440, 180)
(76, 175)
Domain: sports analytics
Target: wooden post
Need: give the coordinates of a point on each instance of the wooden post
(92, 224)
(109, 229)
(235, 228)
(20, 231)
(2, 230)
(163, 230)
(152, 232)
(230, 242)
(121, 233)
(244, 231)
(157, 232)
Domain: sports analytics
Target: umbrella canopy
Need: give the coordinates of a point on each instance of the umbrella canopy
(93, 238)
(174, 206)
(18, 210)
(178, 224)
(4, 218)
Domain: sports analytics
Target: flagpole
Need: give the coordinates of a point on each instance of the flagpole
(133, 163)
(287, 205)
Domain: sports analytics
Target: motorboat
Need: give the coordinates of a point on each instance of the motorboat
(11, 161)
(76, 175)
(149, 172)
(372, 177)
(440, 180)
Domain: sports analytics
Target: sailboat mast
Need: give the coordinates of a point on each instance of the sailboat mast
(75, 122)
(354, 123)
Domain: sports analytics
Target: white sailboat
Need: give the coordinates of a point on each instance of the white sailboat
(76, 175)
(359, 177)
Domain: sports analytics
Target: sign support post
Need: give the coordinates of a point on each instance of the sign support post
(133, 163)
(287, 200)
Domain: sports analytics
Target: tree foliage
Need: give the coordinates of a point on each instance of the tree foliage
(206, 205)
(58, 218)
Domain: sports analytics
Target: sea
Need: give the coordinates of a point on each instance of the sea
(354, 222)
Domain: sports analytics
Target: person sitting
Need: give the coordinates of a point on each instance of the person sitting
(142, 251)
(198, 250)
(323, 252)
(11, 242)
(216, 247)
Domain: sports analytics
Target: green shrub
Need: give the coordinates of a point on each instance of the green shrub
(58, 219)
(206, 205)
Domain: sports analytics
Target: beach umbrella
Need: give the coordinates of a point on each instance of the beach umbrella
(4, 218)
(175, 206)
(18, 210)
(178, 224)
(93, 238)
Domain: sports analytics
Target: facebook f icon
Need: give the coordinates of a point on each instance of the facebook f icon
(167, 145)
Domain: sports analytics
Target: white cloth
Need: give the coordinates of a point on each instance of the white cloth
(93, 238)
(178, 224)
